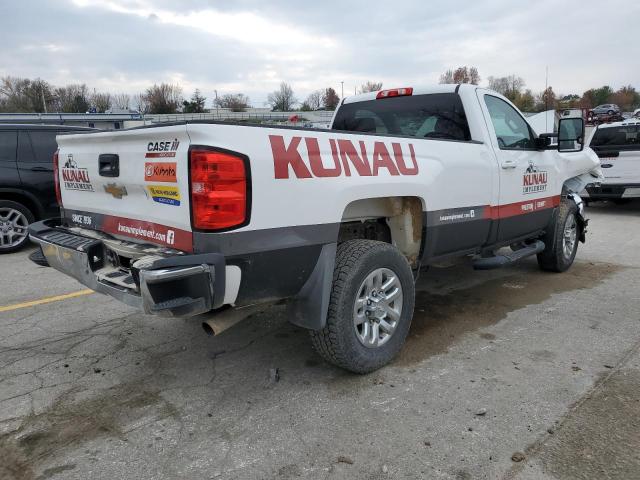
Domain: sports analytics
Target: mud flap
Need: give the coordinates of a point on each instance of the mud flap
(583, 222)
(309, 308)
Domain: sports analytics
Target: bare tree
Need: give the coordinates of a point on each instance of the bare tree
(101, 101)
(283, 99)
(510, 86)
(140, 103)
(330, 99)
(121, 101)
(461, 75)
(163, 98)
(447, 77)
(237, 102)
(314, 100)
(370, 86)
(546, 100)
(24, 95)
(72, 98)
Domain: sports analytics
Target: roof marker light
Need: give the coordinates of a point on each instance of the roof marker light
(394, 92)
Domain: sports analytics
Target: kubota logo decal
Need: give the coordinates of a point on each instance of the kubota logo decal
(364, 159)
(533, 180)
(160, 172)
(162, 149)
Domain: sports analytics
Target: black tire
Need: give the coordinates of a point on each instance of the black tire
(28, 216)
(554, 258)
(610, 112)
(338, 342)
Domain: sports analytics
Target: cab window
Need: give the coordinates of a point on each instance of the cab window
(625, 137)
(434, 116)
(512, 131)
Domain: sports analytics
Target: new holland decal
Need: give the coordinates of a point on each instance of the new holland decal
(74, 178)
(167, 195)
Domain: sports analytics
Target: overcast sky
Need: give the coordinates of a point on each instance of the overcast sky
(250, 46)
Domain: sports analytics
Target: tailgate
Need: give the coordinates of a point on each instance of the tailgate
(132, 184)
(624, 168)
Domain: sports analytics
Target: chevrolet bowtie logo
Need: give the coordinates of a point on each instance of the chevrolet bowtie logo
(115, 190)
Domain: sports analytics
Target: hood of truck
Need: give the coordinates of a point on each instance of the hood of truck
(132, 184)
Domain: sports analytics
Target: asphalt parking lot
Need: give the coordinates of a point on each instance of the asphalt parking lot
(513, 374)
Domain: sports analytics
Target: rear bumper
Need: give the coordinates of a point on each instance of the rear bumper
(613, 191)
(177, 285)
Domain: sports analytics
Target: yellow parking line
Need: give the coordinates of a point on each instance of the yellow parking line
(44, 300)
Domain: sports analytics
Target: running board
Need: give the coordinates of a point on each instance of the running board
(502, 260)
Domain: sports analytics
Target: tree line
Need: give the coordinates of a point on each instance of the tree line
(24, 95)
(513, 87)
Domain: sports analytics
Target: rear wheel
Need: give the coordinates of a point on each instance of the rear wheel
(561, 240)
(370, 308)
(14, 222)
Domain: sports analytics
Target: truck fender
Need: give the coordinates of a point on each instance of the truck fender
(308, 309)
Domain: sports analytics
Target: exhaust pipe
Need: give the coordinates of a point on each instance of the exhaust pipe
(221, 321)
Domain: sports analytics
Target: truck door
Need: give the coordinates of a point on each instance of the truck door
(9, 177)
(527, 175)
(35, 164)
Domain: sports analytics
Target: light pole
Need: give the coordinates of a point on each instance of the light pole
(342, 89)
(216, 100)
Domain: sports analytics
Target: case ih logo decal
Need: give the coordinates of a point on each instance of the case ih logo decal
(534, 181)
(160, 172)
(347, 158)
(162, 149)
(75, 178)
(164, 194)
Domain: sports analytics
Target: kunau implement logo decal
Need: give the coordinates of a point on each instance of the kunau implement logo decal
(533, 180)
(74, 178)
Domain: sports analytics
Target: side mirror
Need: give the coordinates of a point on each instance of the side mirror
(571, 135)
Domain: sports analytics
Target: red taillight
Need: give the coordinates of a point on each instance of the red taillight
(56, 178)
(218, 190)
(395, 92)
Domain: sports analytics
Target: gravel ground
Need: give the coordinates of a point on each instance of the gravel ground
(506, 374)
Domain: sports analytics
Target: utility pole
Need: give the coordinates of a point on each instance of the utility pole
(44, 104)
(216, 101)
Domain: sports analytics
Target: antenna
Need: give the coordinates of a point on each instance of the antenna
(546, 99)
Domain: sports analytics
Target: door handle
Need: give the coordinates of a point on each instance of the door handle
(509, 163)
(109, 165)
(41, 169)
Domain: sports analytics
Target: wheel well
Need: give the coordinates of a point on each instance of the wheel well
(395, 220)
(25, 200)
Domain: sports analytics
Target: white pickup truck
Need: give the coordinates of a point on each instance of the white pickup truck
(618, 146)
(214, 218)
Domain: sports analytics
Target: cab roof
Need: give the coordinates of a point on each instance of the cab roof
(420, 90)
(622, 123)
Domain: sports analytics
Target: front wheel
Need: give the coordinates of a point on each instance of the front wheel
(562, 239)
(370, 308)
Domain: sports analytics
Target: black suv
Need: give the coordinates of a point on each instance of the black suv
(27, 190)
